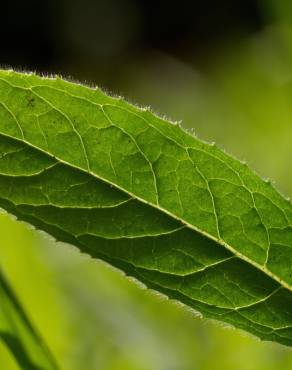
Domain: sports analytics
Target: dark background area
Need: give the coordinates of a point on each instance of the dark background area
(93, 39)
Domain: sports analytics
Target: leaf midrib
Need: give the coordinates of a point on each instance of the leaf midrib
(227, 246)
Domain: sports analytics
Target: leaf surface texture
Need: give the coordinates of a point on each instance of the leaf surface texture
(139, 192)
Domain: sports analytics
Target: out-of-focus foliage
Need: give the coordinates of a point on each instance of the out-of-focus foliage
(87, 312)
(18, 335)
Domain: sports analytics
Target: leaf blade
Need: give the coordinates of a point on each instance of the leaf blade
(155, 196)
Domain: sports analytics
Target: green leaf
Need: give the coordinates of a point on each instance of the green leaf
(137, 191)
(18, 334)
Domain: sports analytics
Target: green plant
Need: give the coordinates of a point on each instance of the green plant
(19, 335)
(137, 191)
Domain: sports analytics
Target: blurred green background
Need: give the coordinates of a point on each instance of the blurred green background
(226, 72)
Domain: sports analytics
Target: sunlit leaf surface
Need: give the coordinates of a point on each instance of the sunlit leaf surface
(139, 192)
